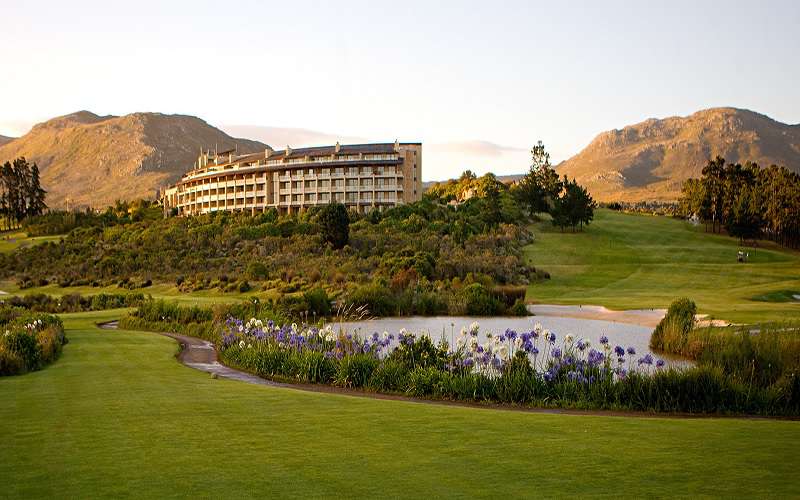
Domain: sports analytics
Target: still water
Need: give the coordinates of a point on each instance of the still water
(622, 334)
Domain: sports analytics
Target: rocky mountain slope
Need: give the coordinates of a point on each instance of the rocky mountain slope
(5, 140)
(652, 159)
(86, 159)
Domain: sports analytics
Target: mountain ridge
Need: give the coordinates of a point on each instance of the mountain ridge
(90, 160)
(651, 159)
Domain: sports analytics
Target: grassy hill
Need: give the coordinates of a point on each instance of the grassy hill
(92, 160)
(650, 160)
(634, 261)
(117, 416)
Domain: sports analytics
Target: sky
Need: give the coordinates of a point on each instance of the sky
(477, 82)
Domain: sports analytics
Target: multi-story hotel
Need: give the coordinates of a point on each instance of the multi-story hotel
(361, 176)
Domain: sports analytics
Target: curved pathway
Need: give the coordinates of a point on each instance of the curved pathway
(201, 355)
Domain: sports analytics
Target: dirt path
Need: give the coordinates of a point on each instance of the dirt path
(201, 355)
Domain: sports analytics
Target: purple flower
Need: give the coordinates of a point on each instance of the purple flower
(631, 351)
(619, 351)
(660, 363)
(604, 340)
(556, 353)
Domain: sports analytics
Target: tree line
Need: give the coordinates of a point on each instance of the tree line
(21, 194)
(541, 190)
(747, 201)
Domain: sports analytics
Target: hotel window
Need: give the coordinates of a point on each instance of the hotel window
(311, 184)
(284, 198)
(366, 170)
(324, 197)
(339, 196)
(325, 171)
(338, 183)
(366, 196)
(309, 197)
(378, 171)
(295, 197)
(338, 171)
(366, 182)
(296, 184)
(284, 185)
(389, 170)
(353, 197)
(352, 182)
(325, 184)
(352, 171)
(310, 171)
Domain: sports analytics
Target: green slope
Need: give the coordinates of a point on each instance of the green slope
(626, 261)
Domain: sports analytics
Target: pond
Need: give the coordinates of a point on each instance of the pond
(623, 334)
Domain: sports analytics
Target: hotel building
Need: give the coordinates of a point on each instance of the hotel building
(361, 176)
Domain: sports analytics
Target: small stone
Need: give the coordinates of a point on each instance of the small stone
(214, 376)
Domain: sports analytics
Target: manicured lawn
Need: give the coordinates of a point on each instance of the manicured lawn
(13, 240)
(634, 261)
(118, 416)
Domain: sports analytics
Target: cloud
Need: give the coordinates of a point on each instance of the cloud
(475, 148)
(278, 137)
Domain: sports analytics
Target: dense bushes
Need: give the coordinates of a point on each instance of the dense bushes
(417, 257)
(74, 302)
(29, 341)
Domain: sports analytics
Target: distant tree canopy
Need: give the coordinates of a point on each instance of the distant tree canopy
(541, 191)
(746, 200)
(21, 194)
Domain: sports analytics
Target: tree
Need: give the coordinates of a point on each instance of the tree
(36, 195)
(335, 224)
(575, 207)
(540, 187)
(21, 194)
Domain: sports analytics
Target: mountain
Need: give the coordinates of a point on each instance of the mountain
(650, 160)
(5, 140)
(92, 160)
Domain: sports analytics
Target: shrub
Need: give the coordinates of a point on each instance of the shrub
(479, 302)
(11, 363)
(390, 376)
(672, 332)
(356, 370)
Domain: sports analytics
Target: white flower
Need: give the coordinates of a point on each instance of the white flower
(569, 338)
(294, 327)
(249, 346)
(474, 327)
(241, 344)
(502, 352)
(460, 341)
(518, 342)
(463, 331)
(587, 344)
(537, 328)
(473, 344)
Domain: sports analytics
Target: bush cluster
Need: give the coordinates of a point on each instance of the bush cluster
(28, 341)
(74, 302)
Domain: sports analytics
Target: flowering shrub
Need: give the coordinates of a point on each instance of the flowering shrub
(535, 367)
(28, 341)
